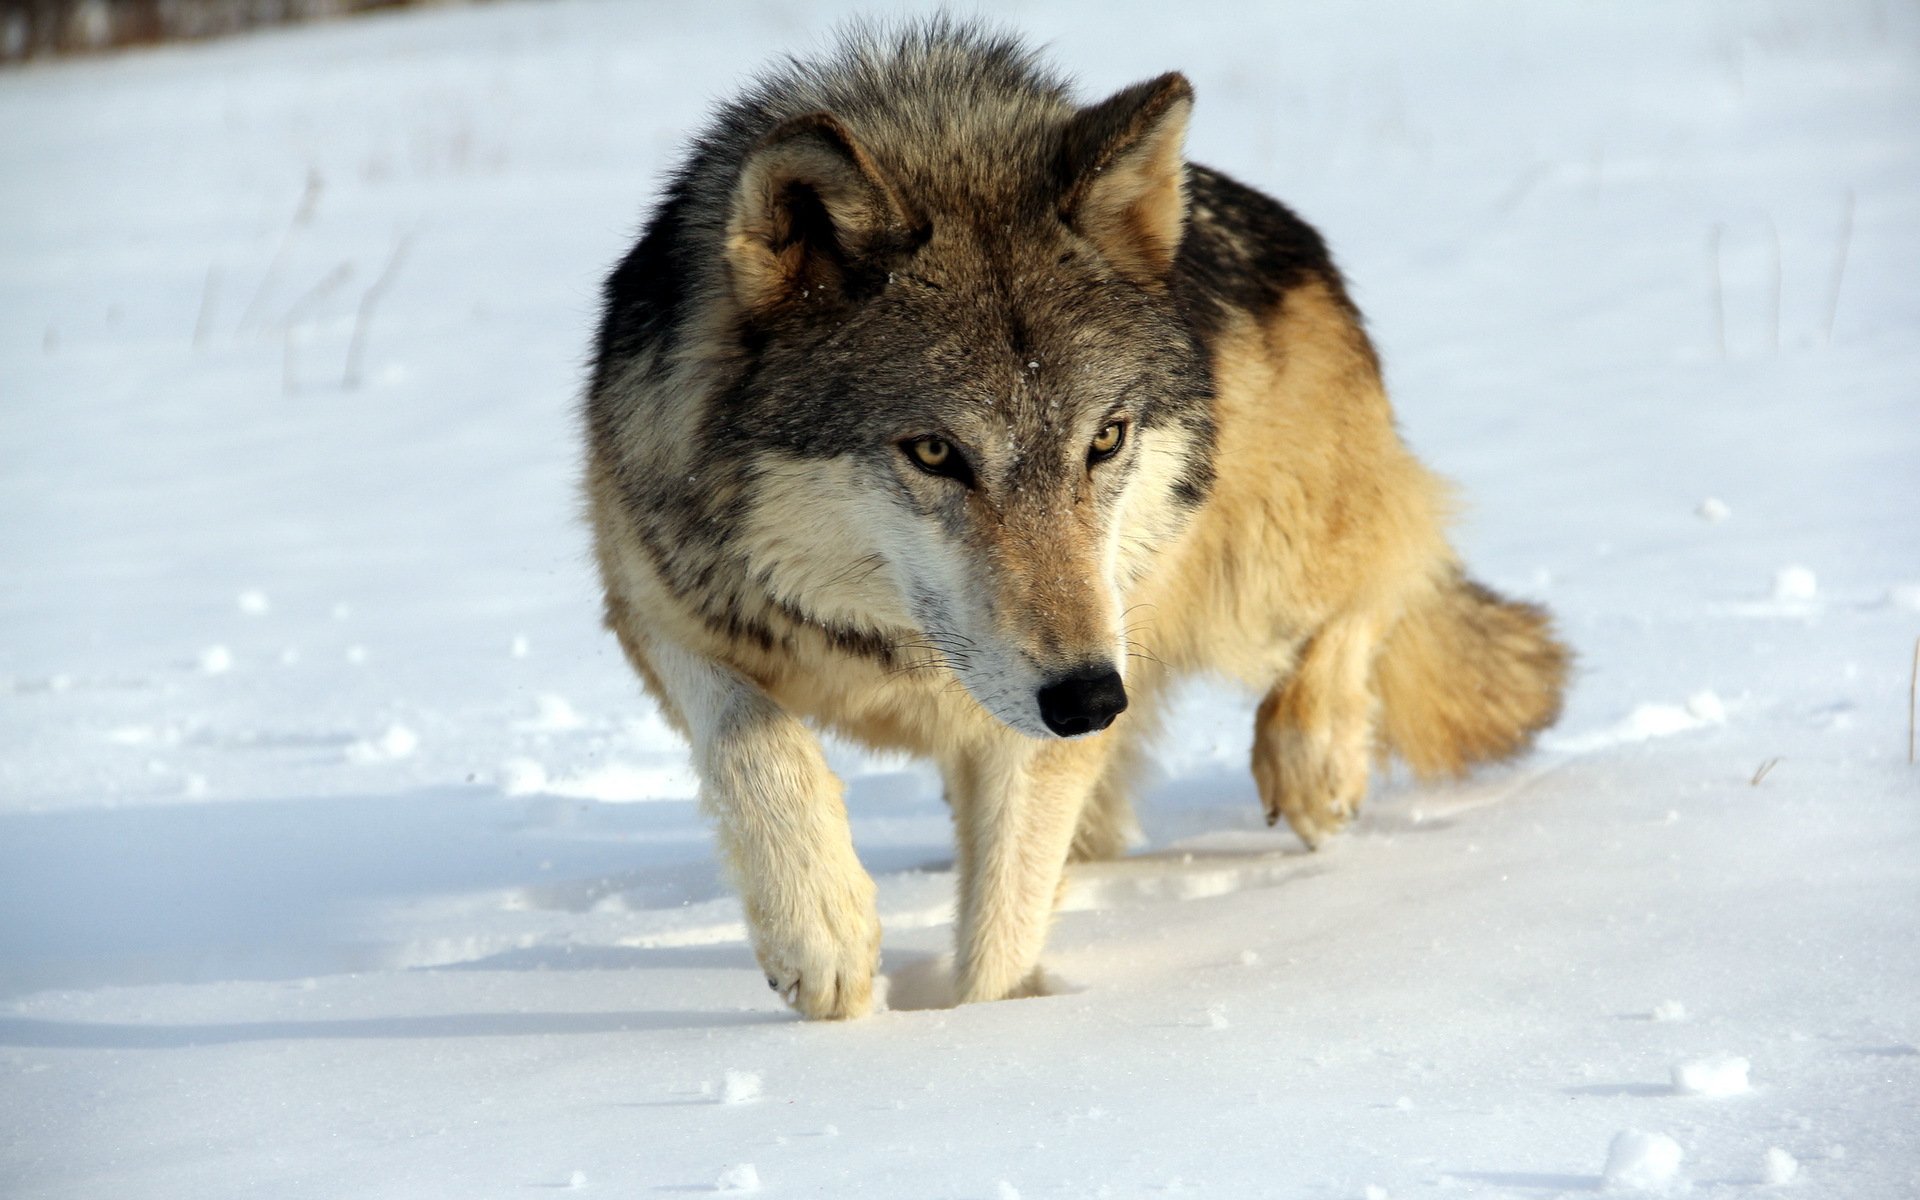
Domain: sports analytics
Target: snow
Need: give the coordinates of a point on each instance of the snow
(1781, 1167)
(1795, 583)
(397, 742)
(554, 714)
(1638, 1161)
(1705, 707)
(740, 1177)
(1725, 1076)
(1644, 723)
(739, 1087)
(239, 956)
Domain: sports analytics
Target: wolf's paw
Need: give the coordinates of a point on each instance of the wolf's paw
(821, 956)
(1318, 791)
(1314, 819)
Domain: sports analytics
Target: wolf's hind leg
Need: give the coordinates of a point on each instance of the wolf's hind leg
(1313, 734)
(782, 829)
(1107, 826)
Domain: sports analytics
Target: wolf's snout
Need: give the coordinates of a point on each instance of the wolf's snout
(1086, 701)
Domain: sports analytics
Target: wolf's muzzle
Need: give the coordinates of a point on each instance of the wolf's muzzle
(1085, 701)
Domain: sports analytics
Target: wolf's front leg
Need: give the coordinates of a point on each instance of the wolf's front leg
(782, 827)
(1015, 808)
(1314, 731)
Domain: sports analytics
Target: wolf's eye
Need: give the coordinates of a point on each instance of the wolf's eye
(932, 452)
(938, 456)
(1107, 442)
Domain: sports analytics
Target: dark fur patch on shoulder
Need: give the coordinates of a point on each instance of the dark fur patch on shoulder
(1243, 252)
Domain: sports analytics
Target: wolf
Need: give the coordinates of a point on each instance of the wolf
(944, 412)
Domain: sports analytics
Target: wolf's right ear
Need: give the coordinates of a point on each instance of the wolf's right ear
(1124, 178)
(809, 208)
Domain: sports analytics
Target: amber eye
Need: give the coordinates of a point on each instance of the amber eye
(937, 456)
(932, 452)
(1107, 442)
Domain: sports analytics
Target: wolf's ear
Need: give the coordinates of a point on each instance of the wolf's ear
(809, 209)
(1125, 185)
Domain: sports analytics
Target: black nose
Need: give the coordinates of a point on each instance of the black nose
(1084, 702)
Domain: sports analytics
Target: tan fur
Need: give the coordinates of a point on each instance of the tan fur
(1044, 561)
(1313, 566)
(1467, 677)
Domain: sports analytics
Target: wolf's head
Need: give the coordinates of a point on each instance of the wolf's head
(970, 405)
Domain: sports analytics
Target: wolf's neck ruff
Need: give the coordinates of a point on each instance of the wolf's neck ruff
(938, 409)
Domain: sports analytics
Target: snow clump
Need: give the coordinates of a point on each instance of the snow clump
(1706, 706)
(1795, 583)
(740, 1177)
(740, 1087)
(1710, 1076)
(1713, 510)
(216, 660)
(1641, 1161)
(253, 602)
(522, 777)
(1781, 1166)
(396, 743)
(1669, 1011)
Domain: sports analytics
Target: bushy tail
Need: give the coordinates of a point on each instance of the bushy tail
(1467, 677)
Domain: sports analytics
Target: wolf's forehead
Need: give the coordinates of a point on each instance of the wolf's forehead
(1009, 369)
(1009, 401)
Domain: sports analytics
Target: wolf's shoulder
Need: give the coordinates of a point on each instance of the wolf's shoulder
(1243, 251)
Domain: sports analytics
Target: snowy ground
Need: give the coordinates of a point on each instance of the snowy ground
(339, 856)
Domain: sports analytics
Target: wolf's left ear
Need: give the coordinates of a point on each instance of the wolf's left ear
(1125, 182)
(809, 210)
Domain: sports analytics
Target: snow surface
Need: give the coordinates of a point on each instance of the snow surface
(394, 887)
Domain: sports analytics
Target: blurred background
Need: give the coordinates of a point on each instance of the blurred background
(48, 28)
